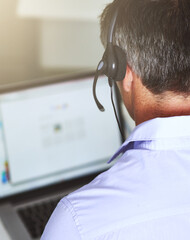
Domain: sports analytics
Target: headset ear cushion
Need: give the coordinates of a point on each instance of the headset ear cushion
(121, 63)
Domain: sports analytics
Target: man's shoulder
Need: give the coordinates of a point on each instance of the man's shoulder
(135, 189)
(102, 186)
(100, 204)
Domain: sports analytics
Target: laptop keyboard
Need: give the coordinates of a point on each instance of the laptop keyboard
(36, 216)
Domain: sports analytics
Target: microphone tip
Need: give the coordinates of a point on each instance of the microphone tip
(102, 109)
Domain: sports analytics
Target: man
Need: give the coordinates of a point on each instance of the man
(146, 194)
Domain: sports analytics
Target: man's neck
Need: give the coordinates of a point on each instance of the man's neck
(164, 105)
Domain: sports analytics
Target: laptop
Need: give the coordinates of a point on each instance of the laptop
(53, 140)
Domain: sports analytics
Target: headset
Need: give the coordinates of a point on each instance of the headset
(113, 65)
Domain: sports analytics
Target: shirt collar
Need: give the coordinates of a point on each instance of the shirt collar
(157, 129)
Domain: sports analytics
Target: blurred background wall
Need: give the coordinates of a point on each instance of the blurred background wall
(36, 41)
(18, 45)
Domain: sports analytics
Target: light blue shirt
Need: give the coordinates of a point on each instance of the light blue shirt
(144, 196)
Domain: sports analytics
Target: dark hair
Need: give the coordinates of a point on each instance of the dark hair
(155, 35)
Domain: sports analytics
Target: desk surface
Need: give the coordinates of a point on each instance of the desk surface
(3, 232)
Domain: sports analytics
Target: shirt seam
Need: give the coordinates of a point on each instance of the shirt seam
(182, 147)
(65, 202)
(148, 219)
(131, 139)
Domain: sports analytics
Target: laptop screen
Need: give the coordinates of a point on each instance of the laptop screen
(54, 132)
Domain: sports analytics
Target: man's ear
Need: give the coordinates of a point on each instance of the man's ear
(128, 79)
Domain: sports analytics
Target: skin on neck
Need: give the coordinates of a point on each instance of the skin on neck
(143, 105)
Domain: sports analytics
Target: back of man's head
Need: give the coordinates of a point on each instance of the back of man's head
(155, 35)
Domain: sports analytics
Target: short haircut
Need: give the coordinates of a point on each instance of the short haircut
(155, 35)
